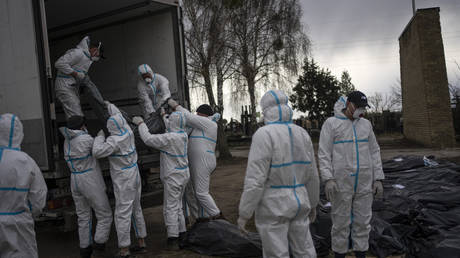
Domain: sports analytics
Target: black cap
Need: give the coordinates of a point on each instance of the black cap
(205, 109)
(75, 122)
(358, 98)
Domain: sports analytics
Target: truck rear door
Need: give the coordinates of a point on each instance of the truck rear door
(23, 74)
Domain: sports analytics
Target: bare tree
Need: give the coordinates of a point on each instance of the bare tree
(454, 88)
(375, 101)
(268, 39)
(208, 55)
(380, 102)
(396, 95)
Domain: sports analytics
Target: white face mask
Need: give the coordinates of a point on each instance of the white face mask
(359, 112)
(95, 58)
(148, 80)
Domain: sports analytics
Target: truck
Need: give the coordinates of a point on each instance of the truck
(35, 33)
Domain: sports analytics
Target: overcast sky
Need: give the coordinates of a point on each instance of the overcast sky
(361, 36)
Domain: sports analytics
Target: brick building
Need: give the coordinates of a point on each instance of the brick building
(426, 109)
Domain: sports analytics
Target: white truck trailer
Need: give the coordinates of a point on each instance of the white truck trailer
(35, 33)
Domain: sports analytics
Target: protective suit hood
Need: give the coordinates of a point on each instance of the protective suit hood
(84, 44)
(339, 105)
(275, 107)
(116, 123)
(144, 68)
(11, 132)
(69, 134)
(175, 122)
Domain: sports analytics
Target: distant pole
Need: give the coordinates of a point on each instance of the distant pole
(413, 7)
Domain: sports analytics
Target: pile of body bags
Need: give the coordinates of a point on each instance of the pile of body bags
(419, 216)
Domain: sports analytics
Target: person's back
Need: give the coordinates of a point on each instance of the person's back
(87, 186)
(287, 168)
(281, 184)
(202, 160)
(22, 192)
(120, 149)
(174, 171)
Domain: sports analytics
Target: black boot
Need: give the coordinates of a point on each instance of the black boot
(360, 254)
(86, 252)
(99, 250)
(182, 236)
(218, 216)
(172, 244)
(338, 255)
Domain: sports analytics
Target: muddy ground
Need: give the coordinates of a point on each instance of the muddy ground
(226, 188)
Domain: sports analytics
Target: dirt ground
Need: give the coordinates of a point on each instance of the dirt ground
(226, 188)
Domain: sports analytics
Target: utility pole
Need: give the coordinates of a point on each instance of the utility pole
(413, 7)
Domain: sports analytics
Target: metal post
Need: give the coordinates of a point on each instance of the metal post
(413, 7)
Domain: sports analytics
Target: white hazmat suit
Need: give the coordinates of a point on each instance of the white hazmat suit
(202, 161)
(88, 187)
(282, 182)
(349, 154)
(174, 170)
(22, 192)
(120, 149)
(67, 90)
(153, 94)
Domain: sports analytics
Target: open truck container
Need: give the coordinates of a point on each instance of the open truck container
(35, 33)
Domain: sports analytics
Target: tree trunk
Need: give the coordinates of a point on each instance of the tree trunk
(252, 98)
(222, 145)
(208, 85)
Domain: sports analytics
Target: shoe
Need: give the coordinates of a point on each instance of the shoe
(172, 244)
(338, 255)
(359, 254)
(182, 236)
(86, 252)
(122, 256)
(218, 216)
(138, 249)
(201, 220)
(98, 250)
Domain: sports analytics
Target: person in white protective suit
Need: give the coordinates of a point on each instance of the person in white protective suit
(202, 160)
(153, 90)
(174, 171)
(87, 186)
(282, 182)
(22, 192)
(120, 149)
(72, 67)
(351, 167)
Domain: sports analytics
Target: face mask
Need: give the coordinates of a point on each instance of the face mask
(95, 58)
(359, 112)
(148, 80)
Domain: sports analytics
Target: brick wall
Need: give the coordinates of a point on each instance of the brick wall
(427, 115)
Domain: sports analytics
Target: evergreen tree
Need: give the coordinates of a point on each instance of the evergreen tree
(346, 86)
(316, 91)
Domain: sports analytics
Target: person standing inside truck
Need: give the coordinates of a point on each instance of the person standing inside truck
(120, 149)
(88, 187)
(72, 68)
(153, 90)
(22, 192)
